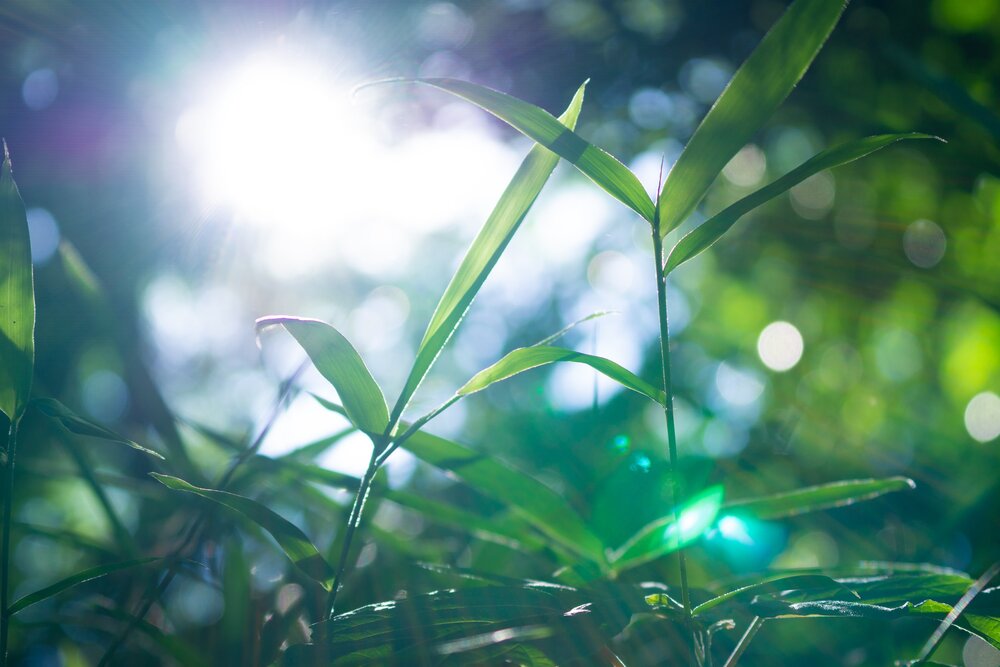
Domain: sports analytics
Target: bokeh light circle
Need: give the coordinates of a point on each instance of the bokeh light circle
(780, 346)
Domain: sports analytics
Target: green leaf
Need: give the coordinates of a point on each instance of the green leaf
(703, 236)
(74, 423)
(759, 86)
(337, 361)
(73, 580)
(797, 582)
(289, 537)
(526, 358)
(541, 126)
(483, 254)
(667, 534)
(536, 503)
(815, 498)
(17, 299)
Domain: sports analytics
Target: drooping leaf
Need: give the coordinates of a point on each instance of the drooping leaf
(526, 358)
(17, 298)
(668, 533)
(337, 361)
(706, 234)
(815, 498)
(797, 582)
(541, 126)
(759, 86)
(289, 537)
(75, 579)
(483, 254)
(74, 423)
(536, 503)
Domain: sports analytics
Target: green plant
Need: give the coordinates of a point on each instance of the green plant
(590, 598)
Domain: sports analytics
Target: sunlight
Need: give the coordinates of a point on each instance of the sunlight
(276, 140)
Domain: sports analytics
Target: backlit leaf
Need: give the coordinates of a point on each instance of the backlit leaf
(815, 498)
(74, 423)
(759, 86)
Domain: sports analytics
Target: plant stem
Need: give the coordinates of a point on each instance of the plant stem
(8, 501)
(353, 521)
(744, 641)
(668, 406)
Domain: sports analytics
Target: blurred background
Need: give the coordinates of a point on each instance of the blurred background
(189, 167)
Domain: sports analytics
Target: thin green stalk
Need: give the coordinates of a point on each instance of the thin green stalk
(744, 641)
(8, 501)
(353, 521)
(668, 406)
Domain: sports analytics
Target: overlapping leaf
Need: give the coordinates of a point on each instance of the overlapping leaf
(17, 298)
(815, 498)
(763, 81)
(484, 252)
(706, 234)
(74, 423)
(289, 537)
(337, 361)
(74, 580)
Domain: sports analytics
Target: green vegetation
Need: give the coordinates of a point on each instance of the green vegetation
(566, 553)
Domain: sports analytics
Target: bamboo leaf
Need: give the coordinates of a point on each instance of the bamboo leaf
(526, 358)
(540, 125)
(17, 298)
(337, 361)
(75, 579)
(484, 252)
(795, 582)
(289, 537)
(759, 86)
(536, 503)
(669, 534)
(706, 234)
(815, 498)
(74, 423)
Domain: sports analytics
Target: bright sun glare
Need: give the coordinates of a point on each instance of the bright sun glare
(275, 138)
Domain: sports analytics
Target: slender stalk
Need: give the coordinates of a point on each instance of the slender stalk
(353, 521)
(668, 407)
(8, 501)
(744, 641)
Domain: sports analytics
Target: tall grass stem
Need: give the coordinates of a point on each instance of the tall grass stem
(8, 501)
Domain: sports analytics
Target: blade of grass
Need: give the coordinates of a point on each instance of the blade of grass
(289, 537)
(482, 256)
(706, 234)
(76, 579)
(815, 498)
(538, 124)
(337, 361)
(759, 86)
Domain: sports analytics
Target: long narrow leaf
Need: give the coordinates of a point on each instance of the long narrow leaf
(74, 423)
(17, 298)
(526, 358)
(821, 497)
(759, 86)
(536, 503)
(483, 254)
(670, 533)
(541, 126)
(289, 537)
(337, 361)
(706, 234)
(75, 579)
(795, 582)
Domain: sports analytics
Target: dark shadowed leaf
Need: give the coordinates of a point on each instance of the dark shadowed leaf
(667, 534)
(759, 86)
(74, 579)
(17, 298)
(74, 423)
(526, 358)
(289, 537)
(541, 126)
(482, 256)
(796, 582)
(814, 498)
(337, 361)
(706, 234)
